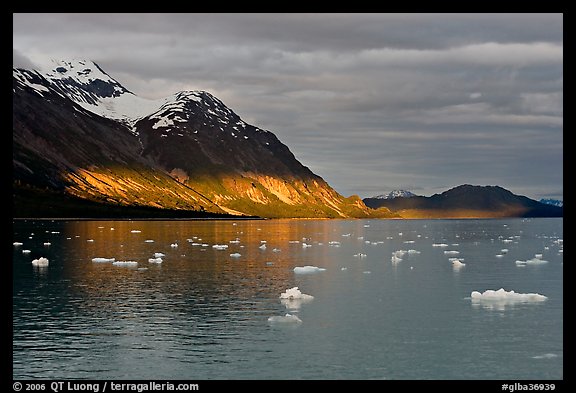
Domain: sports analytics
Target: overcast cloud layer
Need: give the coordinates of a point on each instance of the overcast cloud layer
(370, 102)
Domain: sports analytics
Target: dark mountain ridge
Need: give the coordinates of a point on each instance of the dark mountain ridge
(467, 201)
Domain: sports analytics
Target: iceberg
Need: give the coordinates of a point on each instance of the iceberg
(155, 260)
(135, 231)
(307, 269)
(439, 245)
(236, 255)
(103, 260)
(262, 247)
(125, 263)
(457, 264)
(158, 255)
(288, 318)
(533, 261)
(508, 296)
(26, 251)
(148, 241)
(294, 293)
(40, 262)
(17, 244)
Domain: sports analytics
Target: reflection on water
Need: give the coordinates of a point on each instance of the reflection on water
(202, 313)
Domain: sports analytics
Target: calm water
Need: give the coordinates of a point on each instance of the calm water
(203, 314)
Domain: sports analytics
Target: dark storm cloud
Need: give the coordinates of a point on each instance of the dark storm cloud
(419, 100)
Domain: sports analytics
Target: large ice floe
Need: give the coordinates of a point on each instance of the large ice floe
(293, 299)
(537, 260)
(40, 262)
(501, 298)
(308, 269)
(103, 260)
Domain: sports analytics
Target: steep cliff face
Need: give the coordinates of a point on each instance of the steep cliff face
(79, 132)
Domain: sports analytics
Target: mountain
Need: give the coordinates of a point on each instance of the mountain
(395, 194)
(467, 201)
(553, 202)
(80, 137)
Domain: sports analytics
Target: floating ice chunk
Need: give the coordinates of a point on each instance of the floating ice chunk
(174, 245)
(294, 293)
(263, 241)
(545, 356)
(508, 296)
(288, 318)
(367, 272)
(457, 264)
(40, 262)
(507, 240)
(538, 256)
(413, 252)
(155, 260)
(439, 245)
(306, 245)
(399, 233)
(47, 243)
(504, 250)
(395, 259)
(360, 237)
(533, 261)
(236, 255)
(276, 250)
(451, 252)
(366, 226)
(135, 231)
(499, 255)
(360, 255)
(293, 241)
(237, 241)
(158, 255)
(262, 247)
(334, 244)
(347, 235)
(409, 241)
(308, 269)
(125, 263)
(399, 253)
(17, 244)
(343, 268)
(103, 260)
(220, 246)
(26, 251)
(90, 240)
(148, 241)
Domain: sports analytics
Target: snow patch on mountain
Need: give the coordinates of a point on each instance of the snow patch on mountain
(396, 194)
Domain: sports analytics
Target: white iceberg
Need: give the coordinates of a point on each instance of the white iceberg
(503, 297)
(457, 264)
(294, 293)
(174, 245)
(236, 255)
(103, 260)
(439, 245)
(220, 246)
(47, 243)
(308, 269)
(158, 255)
(360, 255)
(148, 241)
(288, 318)
(413, 252)
(395, 259)
(125, 263)
(155, 260)
(26, 251)
(533, 261)
(306, 245)
(135, 231)
(262, 247)
(17, 244)
(40, 262)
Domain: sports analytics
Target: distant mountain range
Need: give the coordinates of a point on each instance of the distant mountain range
(467, 201)
(553, 202)
(85, 145)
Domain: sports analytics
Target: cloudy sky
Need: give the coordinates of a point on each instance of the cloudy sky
(370, 102)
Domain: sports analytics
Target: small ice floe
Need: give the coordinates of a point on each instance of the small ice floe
(17, 244)
(490, 294)
(155, 260)
(294, 293)
(347, 235)
(308, 269)
(220, 246)
(103, 260)
(262, 247)
(237, 241)
(360, 255)
(148, 241)
(504, 250)
(457, 264)
(399, 233)
(40, 262)
(451, 252)
(125, 263)
(360, 238)
(499, 255)
(366, 225)
(539, 256)
(236, 255)
(276, 250)
(334, 244)
(142, 268)
(409, 242)
(533, 261)
(545, 356)
(413, 252)
(135, 231)
(47, 243)
(174, 245)
(158, 255)
(269, 263)
(26, 251)
(439, 245)
(367, 272)
(395, 260)
(507, 240)
(288, 318)
(90, 240)
(343, 268)
(112, 228)
(306, 245)
(293, 241)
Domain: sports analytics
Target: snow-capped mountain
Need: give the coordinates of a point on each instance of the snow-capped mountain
(553, 202)
(395, 194)
(77, 131)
